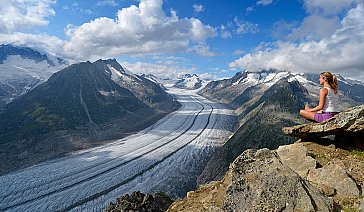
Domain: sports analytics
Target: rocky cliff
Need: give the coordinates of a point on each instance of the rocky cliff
(320, 172)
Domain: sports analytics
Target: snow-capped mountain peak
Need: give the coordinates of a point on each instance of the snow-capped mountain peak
(189, 81)
(267, 78)
(23, 68)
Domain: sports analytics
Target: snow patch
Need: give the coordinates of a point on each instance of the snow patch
(117, 76)
(255, 78)
(107, 93)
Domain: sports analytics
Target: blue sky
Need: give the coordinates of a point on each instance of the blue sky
(213, 38)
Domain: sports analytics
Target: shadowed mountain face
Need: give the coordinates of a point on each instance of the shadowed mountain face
(265, 102)
(82, 104)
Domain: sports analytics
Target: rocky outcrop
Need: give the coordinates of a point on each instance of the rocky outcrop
(261, 182)
(138, 201)
(347, 123)
(303, 176)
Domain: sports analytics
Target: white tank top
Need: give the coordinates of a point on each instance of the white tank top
(331, 101)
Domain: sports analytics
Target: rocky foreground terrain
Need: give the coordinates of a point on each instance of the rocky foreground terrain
(321, 171)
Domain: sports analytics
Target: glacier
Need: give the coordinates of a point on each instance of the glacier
(167, 156)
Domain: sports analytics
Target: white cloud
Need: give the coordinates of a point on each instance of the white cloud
(315, 27)
(111, 3)
(208, 76)
(342, 52)
(21, 15)
(202, 50)
(198, 8)
(51, 44)
(264, 2)
(159, 70)
(331, 7)
(142, 29)
(245, 26)
(323, 18)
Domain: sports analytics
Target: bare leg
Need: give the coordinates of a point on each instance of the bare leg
(307, 115)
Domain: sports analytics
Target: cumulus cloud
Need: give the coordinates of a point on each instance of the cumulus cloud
(332, 7)
(202, 50)
(21, 15)
(51, 44)
(198, 8)
(322, 20)
(159, 70)
(136, 29)
(315, 27)
(342, 52)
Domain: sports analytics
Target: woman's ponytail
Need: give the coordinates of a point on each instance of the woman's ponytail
(332, 80)
(334, 84)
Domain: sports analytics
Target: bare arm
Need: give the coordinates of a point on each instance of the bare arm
(323, 94)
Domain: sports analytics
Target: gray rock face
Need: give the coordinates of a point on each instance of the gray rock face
(138, 201)
(333, 178)
(295, 157)
(260, 182)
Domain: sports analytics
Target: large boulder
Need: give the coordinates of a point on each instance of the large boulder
(138, 201)
(347, 123)
(261, 182)
(295, 156)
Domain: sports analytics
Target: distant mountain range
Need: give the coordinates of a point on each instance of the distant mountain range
(265, 102)
(189, 81)
(78, 107)
(22, 69)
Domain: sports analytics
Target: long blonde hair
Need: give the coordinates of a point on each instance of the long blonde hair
(331, 79)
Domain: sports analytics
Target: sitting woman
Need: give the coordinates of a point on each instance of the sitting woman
(329, 100)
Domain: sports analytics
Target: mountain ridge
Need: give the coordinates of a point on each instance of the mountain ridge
(189, 81)
(22, 69)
